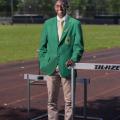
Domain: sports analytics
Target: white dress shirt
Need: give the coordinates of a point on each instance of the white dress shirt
(59, 20)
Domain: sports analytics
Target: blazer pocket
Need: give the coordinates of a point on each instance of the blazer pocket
(45, 60)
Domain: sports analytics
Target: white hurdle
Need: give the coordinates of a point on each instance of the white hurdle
(32, 79)
(88, 66)
(97, 66)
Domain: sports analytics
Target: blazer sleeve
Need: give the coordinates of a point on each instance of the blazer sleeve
(43, 43)
(78, 46)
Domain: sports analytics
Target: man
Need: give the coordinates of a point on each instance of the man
(61, 45)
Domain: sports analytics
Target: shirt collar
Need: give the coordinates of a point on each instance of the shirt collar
(62, 19)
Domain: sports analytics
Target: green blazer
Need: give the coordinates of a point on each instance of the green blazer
(53, 53)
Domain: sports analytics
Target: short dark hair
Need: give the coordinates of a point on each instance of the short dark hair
(65, 2)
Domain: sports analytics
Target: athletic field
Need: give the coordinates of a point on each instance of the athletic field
(20, 42)
(18, 45)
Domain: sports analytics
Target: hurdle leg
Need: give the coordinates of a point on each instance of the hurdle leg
(28, 94)
(85, 82)
(72, 92)
(85, 99)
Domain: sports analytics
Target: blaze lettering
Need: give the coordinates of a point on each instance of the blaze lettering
(107, 67)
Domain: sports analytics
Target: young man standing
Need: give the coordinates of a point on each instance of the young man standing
(61, 45)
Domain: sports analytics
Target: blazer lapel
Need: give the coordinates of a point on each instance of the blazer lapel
(65, 29)
(55, 30)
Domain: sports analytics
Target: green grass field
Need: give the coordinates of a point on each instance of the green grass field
(20, 42)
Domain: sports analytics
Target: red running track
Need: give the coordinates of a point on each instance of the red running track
(103, 91)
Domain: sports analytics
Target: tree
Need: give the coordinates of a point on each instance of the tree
(76, 7)
(43, 7)
(2, 4)
(115, 7)
(5, 6)
(85, 8)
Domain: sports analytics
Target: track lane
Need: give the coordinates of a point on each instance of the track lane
(13, 87)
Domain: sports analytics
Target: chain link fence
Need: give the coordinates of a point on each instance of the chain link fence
(37, 11)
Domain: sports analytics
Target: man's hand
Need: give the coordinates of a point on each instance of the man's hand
(70, 63)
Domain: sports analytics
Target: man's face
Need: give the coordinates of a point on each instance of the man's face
(60, 8)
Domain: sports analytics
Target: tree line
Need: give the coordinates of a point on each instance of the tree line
(85, 8)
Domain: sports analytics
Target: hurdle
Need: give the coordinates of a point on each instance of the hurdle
(32, 79)
(88, 66)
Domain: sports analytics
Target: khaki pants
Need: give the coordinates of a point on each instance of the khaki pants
(53, 85)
